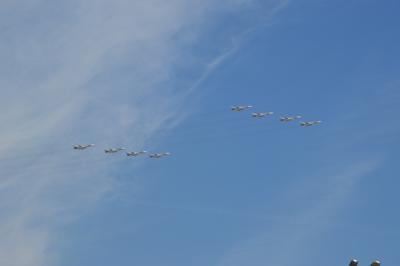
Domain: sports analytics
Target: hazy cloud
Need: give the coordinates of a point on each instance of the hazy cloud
(90, 71)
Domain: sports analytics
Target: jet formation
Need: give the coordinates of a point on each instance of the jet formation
(285, 119)
(234, 108)
(119, 149)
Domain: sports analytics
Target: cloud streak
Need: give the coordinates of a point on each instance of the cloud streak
(86, 72)
(76, 72)
(312, 206)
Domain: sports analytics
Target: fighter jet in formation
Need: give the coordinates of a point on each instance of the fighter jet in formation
(310, 123)
(135, 153)
(289, 118)
(82, 146)
(159, 155)
(261, 114)
(114, 150)
(239, 108)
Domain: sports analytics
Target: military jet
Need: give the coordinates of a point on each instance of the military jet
(289, 118)
(261, 114)
(159, 155)
(135, 153)
(309, 124)
(239, 108)
(82, 146)
(114, 150)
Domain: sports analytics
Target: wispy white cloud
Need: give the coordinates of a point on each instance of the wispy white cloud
(310, 208)
(83, 71)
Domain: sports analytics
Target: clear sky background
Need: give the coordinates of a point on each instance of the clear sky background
(161, 76)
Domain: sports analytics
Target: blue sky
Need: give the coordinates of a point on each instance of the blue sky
(162, 76)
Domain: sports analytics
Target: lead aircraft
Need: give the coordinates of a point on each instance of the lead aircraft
(239, 108)
(82, 146)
